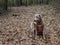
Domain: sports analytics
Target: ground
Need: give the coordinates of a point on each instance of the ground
(15, 26)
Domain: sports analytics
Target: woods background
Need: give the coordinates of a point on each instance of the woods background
(6, 3)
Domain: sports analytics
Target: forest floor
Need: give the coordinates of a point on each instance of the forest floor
(15, 26)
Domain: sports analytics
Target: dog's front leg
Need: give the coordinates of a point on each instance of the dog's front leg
(35, 30)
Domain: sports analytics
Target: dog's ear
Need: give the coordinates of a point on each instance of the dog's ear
(31, 25)
(39, 16)
(35, 23)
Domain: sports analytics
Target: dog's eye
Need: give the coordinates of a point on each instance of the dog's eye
(37, 16)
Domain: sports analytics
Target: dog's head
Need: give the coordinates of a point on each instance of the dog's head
(37, 17)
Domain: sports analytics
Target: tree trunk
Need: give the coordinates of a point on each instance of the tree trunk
(17, 2)
(5, 4)
(26, 2)
(20, 2)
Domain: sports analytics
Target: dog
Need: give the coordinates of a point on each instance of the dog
(37, 26)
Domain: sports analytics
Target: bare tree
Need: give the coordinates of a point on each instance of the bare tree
(26, 2)
(5, 4)
(17, 2)
(20, 2)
